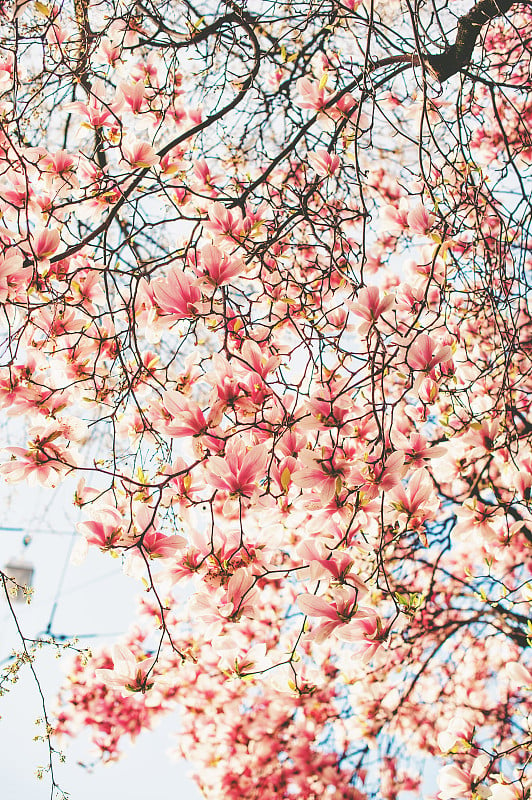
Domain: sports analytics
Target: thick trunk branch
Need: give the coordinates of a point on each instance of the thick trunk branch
(458, 55)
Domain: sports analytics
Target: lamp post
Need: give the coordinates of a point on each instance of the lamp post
(19, 575)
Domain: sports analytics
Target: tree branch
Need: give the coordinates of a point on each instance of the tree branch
(458, 55)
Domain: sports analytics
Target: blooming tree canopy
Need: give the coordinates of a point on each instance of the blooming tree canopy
(265, 289)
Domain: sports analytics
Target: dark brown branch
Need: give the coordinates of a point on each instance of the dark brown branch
(458, 55)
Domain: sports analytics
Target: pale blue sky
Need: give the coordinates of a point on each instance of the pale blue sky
(94, 598)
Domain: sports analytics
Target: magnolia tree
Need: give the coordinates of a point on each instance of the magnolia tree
(265, 289)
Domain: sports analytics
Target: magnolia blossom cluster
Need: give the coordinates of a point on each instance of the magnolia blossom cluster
(292, 373)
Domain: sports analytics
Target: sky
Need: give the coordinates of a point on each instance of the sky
(93, 598)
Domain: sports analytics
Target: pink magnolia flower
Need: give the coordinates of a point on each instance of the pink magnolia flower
(311, 94)
(195, 115)
(127, 674)
(109, 52)
(133, 94)
(154, 543)
(458, 729)
(43, 462)
(244, 660)
(454, 783)
(420, 220)
(522, 480)
(254, 395)
(60, 164)
(374, 476)
(177, 294)
(138, 155)
(370, 306)
(335, 565)
(347, 103)
(273, 79)
(425, 353)
(240, 598)
(518, 674)
(183, 567)
(87, 289)
(239, 470)
(324, 163)
(15, 190)
(226, 389)
(6, 71)
(366, 631)
(146, 70)
(84, 494)
(428, 391)
(173, 161)
(328, 409)
(483, 437)
(125, 32)
(416, 448)
(218, 267)
(56, 34)
(505, 791)
(480, 520)
(395, 218)
(417, 502)
(260, 362)
(207, 179)
(186, 417)
(292, 442)
(13, 274)
(323, 471)
(411, 299)
(224, 223)
(282, 473)
(45, 242)
(105, 529)
(338, 612)
(54, 325)
(96, 115)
